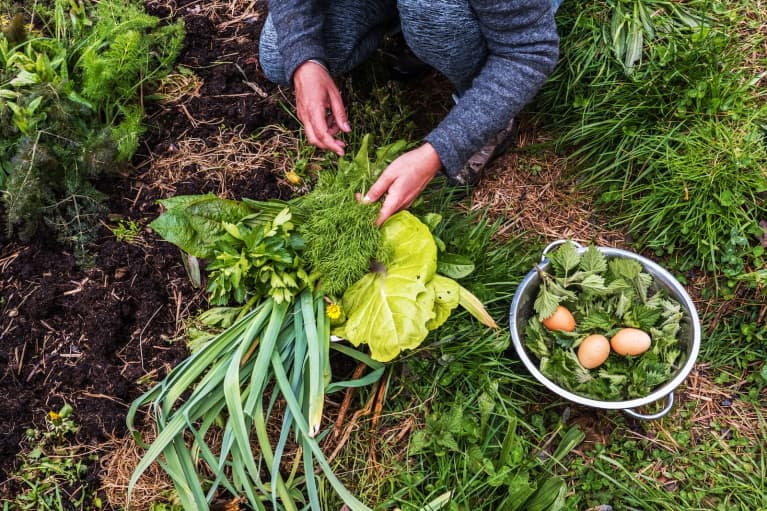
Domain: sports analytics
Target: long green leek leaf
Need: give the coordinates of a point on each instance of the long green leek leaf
(308, 442)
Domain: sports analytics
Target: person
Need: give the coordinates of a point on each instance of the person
(496, 53)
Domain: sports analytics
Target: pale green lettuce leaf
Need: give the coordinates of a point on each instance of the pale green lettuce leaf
(389, 309)
(447, 296)
(388, 312)
(413, 251)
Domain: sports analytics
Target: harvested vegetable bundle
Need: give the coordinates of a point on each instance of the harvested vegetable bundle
(608, 298)
(281, 260)
(282, 348)
(340, 232)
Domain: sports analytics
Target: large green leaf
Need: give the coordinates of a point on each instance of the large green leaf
(195, 222)
(389, 309)
(388, 312)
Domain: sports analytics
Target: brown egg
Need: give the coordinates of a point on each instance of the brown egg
(560, 320)
(630, 341)
(593, 351)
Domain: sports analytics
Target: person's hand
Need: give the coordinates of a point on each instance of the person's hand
(403, 180)
(316, 94)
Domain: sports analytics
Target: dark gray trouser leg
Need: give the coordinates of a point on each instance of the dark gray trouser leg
(353, 31)
(446, 35)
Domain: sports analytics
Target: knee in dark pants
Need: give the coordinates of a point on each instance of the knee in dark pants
(446, 35)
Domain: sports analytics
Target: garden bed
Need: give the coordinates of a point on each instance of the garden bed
(96, 336)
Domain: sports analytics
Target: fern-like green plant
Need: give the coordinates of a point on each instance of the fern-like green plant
(70, 108)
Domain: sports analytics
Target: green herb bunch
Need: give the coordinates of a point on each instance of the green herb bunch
(340, 232)
(604, 295)
(255, 261)
(70, 108)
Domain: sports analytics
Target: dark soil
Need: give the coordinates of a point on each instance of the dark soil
(85, 336)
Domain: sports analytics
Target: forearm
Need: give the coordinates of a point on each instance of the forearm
(522, 51)
(299, 29)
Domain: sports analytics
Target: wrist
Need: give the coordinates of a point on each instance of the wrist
(433, 163)
(320, 63)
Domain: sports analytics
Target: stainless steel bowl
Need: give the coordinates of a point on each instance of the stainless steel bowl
(689, 336)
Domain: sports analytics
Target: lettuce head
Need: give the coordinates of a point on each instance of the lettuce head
(393, 307)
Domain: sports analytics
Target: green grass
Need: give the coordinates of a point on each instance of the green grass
(660, 105)
(671, 139)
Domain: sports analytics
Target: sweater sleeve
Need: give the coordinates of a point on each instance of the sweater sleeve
(523, 48)
(298, 24)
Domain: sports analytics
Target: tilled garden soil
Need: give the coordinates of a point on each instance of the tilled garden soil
(86, 335)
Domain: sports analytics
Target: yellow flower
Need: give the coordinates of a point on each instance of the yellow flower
(293, 178)
(333, 310)
(54, 416)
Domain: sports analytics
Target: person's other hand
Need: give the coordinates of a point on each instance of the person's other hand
(403, 180)
(316, 94)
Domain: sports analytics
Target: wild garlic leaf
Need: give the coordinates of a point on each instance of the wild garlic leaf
(565, 258)
(593, 260)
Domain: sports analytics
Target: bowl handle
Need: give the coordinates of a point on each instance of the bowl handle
(556, 243)
(651, 417)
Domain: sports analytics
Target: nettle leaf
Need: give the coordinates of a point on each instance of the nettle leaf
(545, 304)
(599, 321)
(565, 258)
(624, 268)
(593, 260)
(642, 283)
(594, 284)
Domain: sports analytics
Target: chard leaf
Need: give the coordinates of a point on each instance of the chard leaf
(389, 309)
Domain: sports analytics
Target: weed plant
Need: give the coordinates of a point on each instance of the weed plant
(70, 105)
(53, 473)
(665, 120)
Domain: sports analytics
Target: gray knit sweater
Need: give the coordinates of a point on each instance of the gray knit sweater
(522, 47)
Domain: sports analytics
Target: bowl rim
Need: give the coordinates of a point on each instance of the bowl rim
(658, 272)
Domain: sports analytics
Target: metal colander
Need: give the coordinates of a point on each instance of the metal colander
(689, 335)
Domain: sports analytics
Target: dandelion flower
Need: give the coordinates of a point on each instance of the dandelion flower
(54, 416)
(333, 310)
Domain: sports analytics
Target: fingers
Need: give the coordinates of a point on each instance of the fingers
(379, 187)
(319, 131)
(338, 117)
(403, 180)
(390, 206)
(320, 107)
